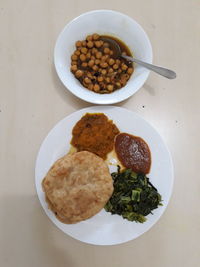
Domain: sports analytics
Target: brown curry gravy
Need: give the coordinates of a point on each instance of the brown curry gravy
(133, 152)
(124, 48)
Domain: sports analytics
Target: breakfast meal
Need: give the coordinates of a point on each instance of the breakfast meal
(77, 186)
(95, 65)
(94, 133)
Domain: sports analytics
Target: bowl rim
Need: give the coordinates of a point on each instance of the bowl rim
(96, 99)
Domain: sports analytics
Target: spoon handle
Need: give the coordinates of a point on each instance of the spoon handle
(162, 71)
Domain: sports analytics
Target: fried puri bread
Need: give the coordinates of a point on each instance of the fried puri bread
(77, 186)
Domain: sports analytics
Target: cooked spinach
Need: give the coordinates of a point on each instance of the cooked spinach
(134, 197)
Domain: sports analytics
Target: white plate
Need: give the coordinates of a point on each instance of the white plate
(104, 228)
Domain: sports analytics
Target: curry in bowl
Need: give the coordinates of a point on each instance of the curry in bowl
(95, 64)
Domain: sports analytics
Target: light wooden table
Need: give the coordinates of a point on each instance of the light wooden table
(32, 100)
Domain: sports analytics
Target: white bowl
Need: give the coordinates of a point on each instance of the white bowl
(103, 22)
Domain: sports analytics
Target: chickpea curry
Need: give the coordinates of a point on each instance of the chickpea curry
(94, 64)
(95, 133)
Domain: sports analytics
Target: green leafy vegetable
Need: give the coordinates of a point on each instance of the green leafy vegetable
(134, 197)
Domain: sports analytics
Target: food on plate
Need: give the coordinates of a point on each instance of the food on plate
(134, 197)
(94, 64)
(77, 186)
(133, 152)
(94, 132)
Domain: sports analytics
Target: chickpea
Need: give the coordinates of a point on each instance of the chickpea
(104, 72)
(110, 87)
(94, 50)
(78, 44)
(88, 55)
(89, 75)
(74, 63)
(84, 84)
(124, 53)
(96, 87)
(118, 84)
(94, 78)
(87, 80)
(83, 43)
(90, 44)
(124, 79)
(95, 36)
(115, 66)
(97, 61)
(119, 71)
(110, 70)
(130, 70)
(82, 57)
(111, 61)
(118, 61)
(89, 38)
(98, 44)
(95, 68)
(77, 52)
(106, 50)
(84, 50)
(104, 64)
(98, 55)
(100, 79)
(84, 64)
(79, 73)
(90, 86)
(74, 68)
(91, 63)
(93, 57)
(108, 79)
(74, 57)
(104, 58)
(124, 67)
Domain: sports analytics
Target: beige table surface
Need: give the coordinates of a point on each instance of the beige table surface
(32, 100)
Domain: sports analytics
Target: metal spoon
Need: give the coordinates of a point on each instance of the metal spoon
(117, 53)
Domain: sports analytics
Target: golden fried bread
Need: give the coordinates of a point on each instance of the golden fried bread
(77, 186)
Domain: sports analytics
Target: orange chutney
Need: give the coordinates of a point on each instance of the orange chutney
(95, 133)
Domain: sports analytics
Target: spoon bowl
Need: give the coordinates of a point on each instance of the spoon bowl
(103, 22)
(117, 53)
